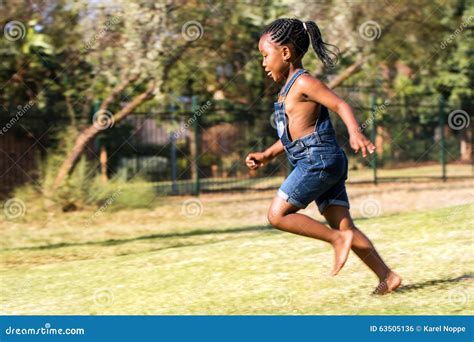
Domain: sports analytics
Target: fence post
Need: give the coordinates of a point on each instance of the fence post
(442, 154)
(173, 138)
(174, 187)
(194, 108)
(373, 135)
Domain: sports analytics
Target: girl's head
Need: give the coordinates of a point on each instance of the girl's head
(286, 41)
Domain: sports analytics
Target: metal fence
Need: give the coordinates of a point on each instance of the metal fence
(185, 153)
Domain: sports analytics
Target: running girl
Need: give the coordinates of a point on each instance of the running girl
(308, 138)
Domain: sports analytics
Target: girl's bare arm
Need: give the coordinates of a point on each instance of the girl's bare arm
(274, 150)
(256, 159)
(317, 91)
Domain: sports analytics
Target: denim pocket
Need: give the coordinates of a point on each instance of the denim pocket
(315, 152)
(333, 165)
(298, 152)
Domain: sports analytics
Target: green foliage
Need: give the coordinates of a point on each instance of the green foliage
(84, 187)
(74, 54)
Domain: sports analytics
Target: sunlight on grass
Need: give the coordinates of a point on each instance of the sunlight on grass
(247, 269)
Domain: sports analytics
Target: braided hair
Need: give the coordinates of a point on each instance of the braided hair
(291, 30)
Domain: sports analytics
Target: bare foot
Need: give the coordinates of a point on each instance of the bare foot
(391, 282)
(342, 246)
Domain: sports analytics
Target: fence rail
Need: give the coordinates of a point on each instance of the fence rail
(191, 153)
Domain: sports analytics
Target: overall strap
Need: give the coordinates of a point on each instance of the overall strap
(286, 89)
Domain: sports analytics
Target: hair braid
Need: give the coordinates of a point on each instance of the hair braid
(292, 30)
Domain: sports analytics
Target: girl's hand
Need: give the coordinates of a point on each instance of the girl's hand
(255, 160)
(358, 142)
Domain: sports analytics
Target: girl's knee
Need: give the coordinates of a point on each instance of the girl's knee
(274, 217)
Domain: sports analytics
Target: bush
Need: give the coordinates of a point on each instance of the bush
(83, 187)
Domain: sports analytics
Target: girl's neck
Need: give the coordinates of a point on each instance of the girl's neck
(294, 67)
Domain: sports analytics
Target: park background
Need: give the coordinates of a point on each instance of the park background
(124, 126)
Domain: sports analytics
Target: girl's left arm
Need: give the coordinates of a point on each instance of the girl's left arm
(315, 90)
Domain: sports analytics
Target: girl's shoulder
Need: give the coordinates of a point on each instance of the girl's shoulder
(307, 77)
(308, 81)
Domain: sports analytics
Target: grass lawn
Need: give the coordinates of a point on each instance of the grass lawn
(221, 263)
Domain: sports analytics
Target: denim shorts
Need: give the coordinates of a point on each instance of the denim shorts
(319, 174)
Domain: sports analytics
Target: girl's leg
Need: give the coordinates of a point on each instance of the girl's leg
(282, 215)
(339, 218)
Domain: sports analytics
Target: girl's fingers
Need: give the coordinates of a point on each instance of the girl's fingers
(364, 151)
(371, 147)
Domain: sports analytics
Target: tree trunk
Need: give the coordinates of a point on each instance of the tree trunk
(466, 145)
(193, 155)
(380, 140)
(89, 133)
(103, 164)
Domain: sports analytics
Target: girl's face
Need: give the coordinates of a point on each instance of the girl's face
(273, 58)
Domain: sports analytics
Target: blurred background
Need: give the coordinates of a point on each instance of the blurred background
(109, 107)
(94, 91)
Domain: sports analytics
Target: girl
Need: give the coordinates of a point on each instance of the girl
(308, 138)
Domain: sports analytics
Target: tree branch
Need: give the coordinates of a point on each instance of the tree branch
(117, 90)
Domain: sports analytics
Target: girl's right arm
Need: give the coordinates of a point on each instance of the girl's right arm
(257, 159)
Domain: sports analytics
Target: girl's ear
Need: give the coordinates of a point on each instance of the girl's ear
(286, 53)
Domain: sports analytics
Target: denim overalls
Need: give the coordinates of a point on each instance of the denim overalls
(320, 165)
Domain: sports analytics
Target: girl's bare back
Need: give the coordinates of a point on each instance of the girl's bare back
(302, 112)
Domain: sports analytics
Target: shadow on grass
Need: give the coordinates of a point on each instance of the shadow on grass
(435, 282)
(115, 242)
(192, 233)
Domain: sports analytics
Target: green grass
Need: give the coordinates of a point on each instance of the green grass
(228, 261)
